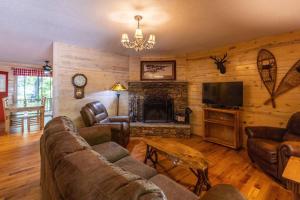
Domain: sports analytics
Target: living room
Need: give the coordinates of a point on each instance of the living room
(162, 100)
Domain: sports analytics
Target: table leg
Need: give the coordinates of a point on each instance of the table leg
(150, 152)
(147, 154)
(202, 180)
(42, 118)
(7, 120)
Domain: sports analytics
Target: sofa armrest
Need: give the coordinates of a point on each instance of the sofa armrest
(285, 151)
(119, 119)
(265, 132)
(96, 134)
(119, 132)
(290, 148)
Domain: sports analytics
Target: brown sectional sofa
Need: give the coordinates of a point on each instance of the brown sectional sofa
(85, 164)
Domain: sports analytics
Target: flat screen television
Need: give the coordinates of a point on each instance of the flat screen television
(223, 94)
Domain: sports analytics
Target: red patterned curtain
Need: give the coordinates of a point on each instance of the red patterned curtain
(30, 72)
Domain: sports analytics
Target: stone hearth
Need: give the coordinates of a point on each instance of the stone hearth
(138, 129)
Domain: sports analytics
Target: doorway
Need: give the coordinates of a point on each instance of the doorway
(3, 92)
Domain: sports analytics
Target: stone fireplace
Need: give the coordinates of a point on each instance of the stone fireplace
(153, 106)
(140, 91)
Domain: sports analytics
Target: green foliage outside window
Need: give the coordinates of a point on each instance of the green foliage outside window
(32, 88)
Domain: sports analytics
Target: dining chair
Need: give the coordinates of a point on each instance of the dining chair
(12, 120)
(34, 118)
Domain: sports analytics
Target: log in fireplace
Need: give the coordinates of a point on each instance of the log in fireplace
(158, 109)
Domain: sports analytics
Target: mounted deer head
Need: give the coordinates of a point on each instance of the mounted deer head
(220, 63)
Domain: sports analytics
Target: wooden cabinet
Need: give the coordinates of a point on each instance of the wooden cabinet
(222, 126)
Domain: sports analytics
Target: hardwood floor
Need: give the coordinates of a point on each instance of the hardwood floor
(20, 165)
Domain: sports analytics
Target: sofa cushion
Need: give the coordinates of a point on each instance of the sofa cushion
(87, 175)
(223, 192)
(264, 149)
(111, 151)
(129, 191)
(62, 143)
(171, 189)
(101, 118)
(136, 167)
(97, 108)
(289, 136)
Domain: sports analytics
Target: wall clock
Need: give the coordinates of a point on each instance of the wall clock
(79, 81)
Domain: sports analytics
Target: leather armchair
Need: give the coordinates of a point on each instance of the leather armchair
(271, 147)
(95, 114)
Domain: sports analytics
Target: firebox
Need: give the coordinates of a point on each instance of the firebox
(158, 109)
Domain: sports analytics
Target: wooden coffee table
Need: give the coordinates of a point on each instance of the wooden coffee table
(182, 155)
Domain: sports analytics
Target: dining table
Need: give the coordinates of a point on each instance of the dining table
(21, 107)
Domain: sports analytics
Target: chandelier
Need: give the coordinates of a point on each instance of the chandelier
(139, 42)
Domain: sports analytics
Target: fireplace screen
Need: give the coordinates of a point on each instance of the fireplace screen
(158, 109)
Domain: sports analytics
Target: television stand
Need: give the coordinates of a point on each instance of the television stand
(222, 126)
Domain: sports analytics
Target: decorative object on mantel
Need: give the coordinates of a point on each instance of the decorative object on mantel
(289, 81)
(220, 63)
(118, 87)
(179, 118)
(139, 42)
(267, 68)
(47, 68)
(79, 81)
(183, 118)
(158, 70)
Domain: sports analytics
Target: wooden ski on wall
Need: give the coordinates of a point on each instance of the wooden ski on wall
(289, 81)
(267, 68)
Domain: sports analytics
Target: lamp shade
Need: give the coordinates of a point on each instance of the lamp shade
(118, 87)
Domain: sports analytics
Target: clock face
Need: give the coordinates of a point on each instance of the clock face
(79, 80)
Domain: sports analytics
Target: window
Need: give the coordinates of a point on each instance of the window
(32, 85)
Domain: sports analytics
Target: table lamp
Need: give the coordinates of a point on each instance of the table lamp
(118, 87)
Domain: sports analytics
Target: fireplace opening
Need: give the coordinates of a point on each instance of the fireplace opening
(158, 109)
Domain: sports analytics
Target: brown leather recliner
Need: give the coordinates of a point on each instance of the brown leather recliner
(95, 114)
(271, 147)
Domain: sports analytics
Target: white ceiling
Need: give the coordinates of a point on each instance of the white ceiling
(28, 27)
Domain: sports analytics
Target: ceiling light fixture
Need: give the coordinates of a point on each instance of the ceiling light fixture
(47, 68)
(139, 42)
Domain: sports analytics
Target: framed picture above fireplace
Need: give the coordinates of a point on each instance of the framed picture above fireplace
(158, 70)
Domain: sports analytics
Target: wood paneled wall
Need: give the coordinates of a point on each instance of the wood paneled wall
(102, 70)
(197, 68)
(241, 66)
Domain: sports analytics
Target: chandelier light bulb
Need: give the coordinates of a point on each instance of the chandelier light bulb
(151, 39)
(138, 34)
(124, 38)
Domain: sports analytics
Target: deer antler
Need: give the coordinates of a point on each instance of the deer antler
(223, 59)
(215, 58)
